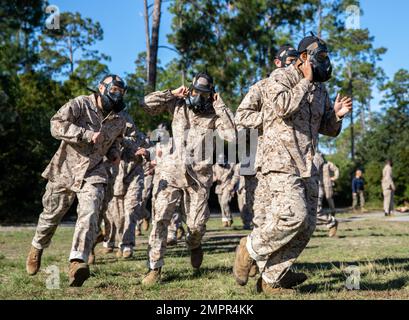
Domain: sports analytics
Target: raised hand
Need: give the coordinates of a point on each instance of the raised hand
(342, 106)
(180, 92)
(306, 70)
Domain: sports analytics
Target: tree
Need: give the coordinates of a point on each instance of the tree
(388, 137)
(65, 48)
(167, 78)
(355, 60)
(152, 42)
(235, 41)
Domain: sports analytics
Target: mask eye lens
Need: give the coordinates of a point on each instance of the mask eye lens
(321, 56)
(116, 90)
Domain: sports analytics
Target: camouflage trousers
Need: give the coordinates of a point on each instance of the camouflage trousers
(56, 202)
(261, 201)
(165, 199)
(121, 215)
(147, 189)
(324, 219)
(224, 202)
(288, 223)
(246, 199)
(174, 225)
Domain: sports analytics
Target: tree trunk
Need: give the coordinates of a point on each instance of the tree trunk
(147, 37)
(351, 92)
(153, 49)
(362, 116)
(352, 124)
(71, 54)
(319, 28)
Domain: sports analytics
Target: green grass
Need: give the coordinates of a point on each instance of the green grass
(379, 248)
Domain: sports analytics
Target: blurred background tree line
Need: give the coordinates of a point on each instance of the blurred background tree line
(235, 41)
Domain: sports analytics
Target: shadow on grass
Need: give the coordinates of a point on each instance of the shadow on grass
(211, 245)
(203, 272)
(340, 277)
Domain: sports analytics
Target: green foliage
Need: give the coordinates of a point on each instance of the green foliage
(29, 97)
(168, 77)
(235, 41)
(388, 137)
(60, 47)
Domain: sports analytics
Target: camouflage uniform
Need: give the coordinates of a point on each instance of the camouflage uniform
(175, 222)
(225, 178)
(77, 169)
(388, 189)
(323, 219)
(241, 197)
(249, 116)
(184, 173)
(293, 112)
(125, 205)
(147, 189)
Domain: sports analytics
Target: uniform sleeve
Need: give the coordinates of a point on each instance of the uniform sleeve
(64, 127)
(331, 124)
(159, 102)
(335, 170)
(285, 97)
(248, 114)
(224, 124)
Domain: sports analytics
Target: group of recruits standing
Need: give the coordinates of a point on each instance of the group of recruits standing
(102, 161)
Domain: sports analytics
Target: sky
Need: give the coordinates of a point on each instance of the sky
(124, 31)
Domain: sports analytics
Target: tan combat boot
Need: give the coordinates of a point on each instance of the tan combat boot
(119, 253)
(225, 224)
(78, 272)
(127, 254)
(242, 263)
(264, 287)
(145, 224)
(33, 262)
(229, 223)
(180, 233)
(292, 279)
(196, 257)
(152, 278)
(253, 270)
(333, 230)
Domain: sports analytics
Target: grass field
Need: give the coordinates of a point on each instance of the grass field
(380, 249)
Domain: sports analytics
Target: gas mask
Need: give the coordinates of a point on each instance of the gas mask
(112, 99)
(201, 102)
(291, 52)
(320, 62)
